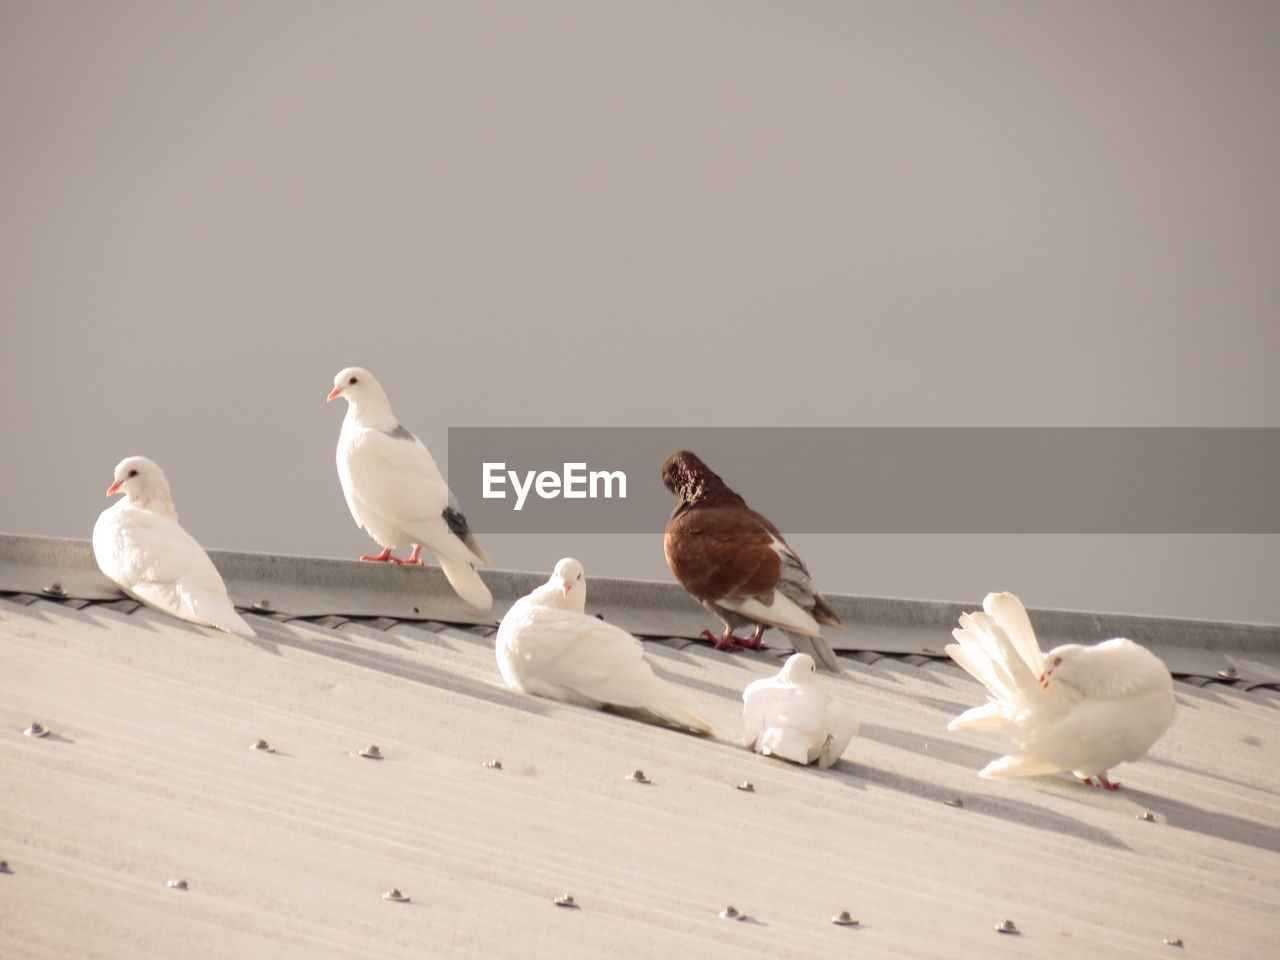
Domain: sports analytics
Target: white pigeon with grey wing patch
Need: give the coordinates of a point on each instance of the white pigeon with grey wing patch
(547, 646)
(395, 490)
(1079, 708)
(790, 716)
(140, 546)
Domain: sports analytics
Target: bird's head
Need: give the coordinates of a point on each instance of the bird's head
(355, 384)
(1111, 669)
(683, 472)
(140, 480)
(569, 576)
(798, 668)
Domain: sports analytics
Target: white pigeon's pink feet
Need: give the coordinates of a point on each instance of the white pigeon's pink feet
(413, 557)
(384, 557)
(1103, 782)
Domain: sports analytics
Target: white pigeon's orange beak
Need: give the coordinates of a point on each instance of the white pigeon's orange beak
(113, 489)
(1044, 680)
(333, 394)
(567, 587)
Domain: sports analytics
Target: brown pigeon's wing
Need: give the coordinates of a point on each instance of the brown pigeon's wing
(719, 552)
(795, 581)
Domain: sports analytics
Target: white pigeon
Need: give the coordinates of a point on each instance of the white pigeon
(789, 716)
(1077, 708)
(548, 647)
(140, 545)
(395, 491)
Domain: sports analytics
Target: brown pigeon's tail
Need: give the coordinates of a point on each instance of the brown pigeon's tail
(818, 648)
(823, 613)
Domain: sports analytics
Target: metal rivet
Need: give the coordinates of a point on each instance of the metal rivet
(414, 609)
(1148, 816)
(263, 746)
(731, 913)
(371, 752)
(35, 730)
(957, 802)
(1007, 927)
(177, 884)
(746, 786)
(493, 764)
(565, 900)
(4, 867)
(395, 894)
(843, 919)
(55, 590)
(1173, 941)
(637, 776)
(263, 606)
(1226, 673)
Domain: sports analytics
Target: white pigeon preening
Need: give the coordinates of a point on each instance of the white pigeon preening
(789, 716)
(548, 647)
(395, 491)
(140, 546)
(1077, 708)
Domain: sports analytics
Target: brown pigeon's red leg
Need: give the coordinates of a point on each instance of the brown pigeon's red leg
(753, 641)
(726, 641)
(383, 557)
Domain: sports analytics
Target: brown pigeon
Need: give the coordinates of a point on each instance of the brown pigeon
(737, 565)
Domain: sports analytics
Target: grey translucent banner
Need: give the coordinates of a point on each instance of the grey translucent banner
(879, 480)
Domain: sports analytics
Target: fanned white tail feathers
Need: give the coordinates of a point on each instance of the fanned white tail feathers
(998, 648)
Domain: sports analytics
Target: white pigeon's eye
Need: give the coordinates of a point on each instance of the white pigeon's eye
(133, 473)
(1057, 661)
(353, 380)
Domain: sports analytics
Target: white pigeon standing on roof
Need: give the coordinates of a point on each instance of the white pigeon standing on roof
(789, 716)
(548, 647)
(140, 545)
(1077, 708)
(395, 491)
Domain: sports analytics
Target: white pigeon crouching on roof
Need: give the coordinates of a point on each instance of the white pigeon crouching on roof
(790, 716)
(395, 491)
(1077, 708)
(142, 548)
(548, 647)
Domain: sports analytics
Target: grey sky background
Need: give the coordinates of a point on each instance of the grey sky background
(712, 213)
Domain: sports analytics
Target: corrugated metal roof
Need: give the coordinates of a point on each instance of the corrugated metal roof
(148, 775)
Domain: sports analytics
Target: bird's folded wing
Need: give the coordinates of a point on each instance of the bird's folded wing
(397, 478)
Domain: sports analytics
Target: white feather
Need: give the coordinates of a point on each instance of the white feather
(140, 546)
(1104, 705)
(789, 716)
(547, 647)
(394, 489)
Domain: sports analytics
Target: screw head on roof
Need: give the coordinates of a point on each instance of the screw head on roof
(177, 883)
(35, 730)
(746, 786)
(637, 776)
(55, 590)
(1148, 816)
(1173, 941)
(263, 746)
(371, 752)
(395, 894)
(957, 802)
(565, 900)
(493, 764)
(263, 606)
(1007, 927)
(4, 867)
(844, 920)
(1229, 673)
(731, 913)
